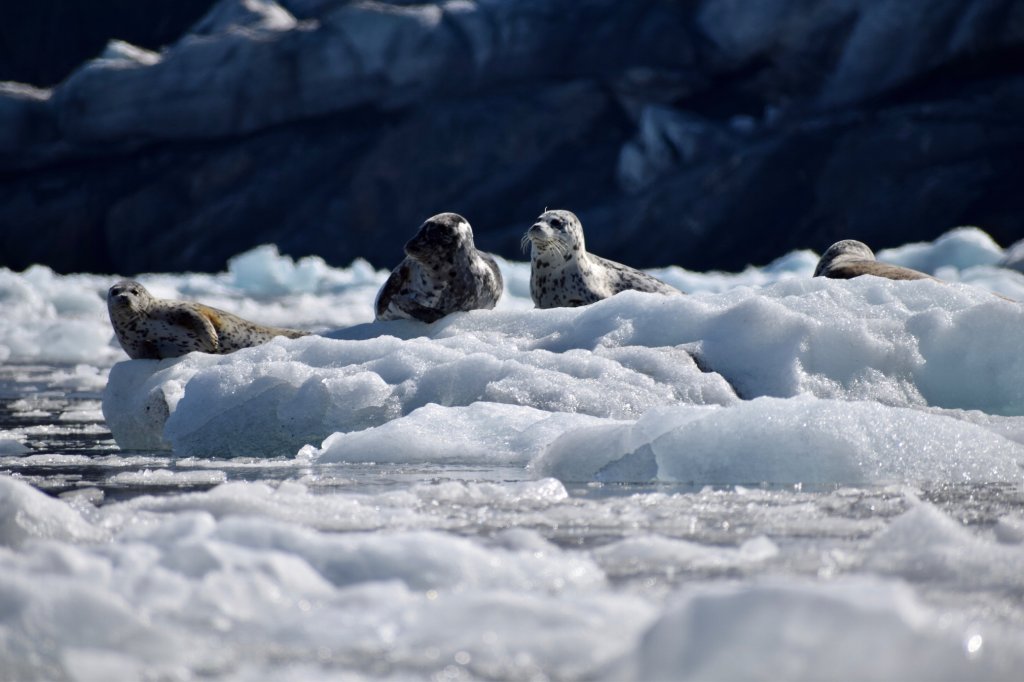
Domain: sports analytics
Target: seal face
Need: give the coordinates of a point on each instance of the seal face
(442, 273)
(563, 274)
(850, 258)
(153, 328)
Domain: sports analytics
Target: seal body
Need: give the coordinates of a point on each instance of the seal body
(442, 273)
(850, 258)
(153, 328)
(563, 274)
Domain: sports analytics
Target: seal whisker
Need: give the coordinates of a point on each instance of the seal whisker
(555, 245)
(525, 242)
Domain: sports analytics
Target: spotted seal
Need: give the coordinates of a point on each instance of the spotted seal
(154, 328)
(563, 274)
(850, 258)
(442, 273)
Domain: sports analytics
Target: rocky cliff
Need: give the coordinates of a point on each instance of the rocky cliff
(705, 133)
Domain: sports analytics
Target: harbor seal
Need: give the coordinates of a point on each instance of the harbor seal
(850, 258)
(442, 273)
(154, 328)
(563, 274)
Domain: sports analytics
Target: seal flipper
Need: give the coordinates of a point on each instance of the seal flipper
(391, 288)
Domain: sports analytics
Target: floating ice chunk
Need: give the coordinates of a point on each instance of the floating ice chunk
(166, 477)
(275, 398)
(517, 285)
(899, 343)
(26, 513)
(89, 664)
(1011, 428)
(486, 433)
(414, 509)
(290, 502)
(798, 440)
(1014, 257)
(1002, 281)
(249, 523)
(421, 559)
(54, 319)
(507, 495)
(77, 629)
(1010, 529)
(798, 631)
(926, 545)
(654, 554)
(796, 264)
(959, 248)
(503, 634)
(958, 371)
(263, 271)
(150, 396)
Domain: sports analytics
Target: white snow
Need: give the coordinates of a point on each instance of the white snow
(774, 477)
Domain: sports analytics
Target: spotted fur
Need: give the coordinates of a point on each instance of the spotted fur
(850, 258)
(442, 273)
(153, 328)
(563, 274)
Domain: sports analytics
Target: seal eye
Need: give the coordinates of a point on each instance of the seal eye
(557, 223)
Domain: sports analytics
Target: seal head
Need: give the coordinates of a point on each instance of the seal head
(442, 273)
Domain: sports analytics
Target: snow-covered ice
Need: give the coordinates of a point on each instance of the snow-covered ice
(764, 479)
(854, 365)
(798, 440)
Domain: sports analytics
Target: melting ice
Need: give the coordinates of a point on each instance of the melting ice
(772, 477)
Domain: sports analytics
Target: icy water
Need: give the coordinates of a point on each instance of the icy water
(73, 452)
(604, 568)
(522, 494)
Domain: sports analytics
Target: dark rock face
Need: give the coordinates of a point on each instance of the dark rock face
(45, 40)
(707, 134)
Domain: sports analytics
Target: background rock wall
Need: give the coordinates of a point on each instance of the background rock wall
(709, 134)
